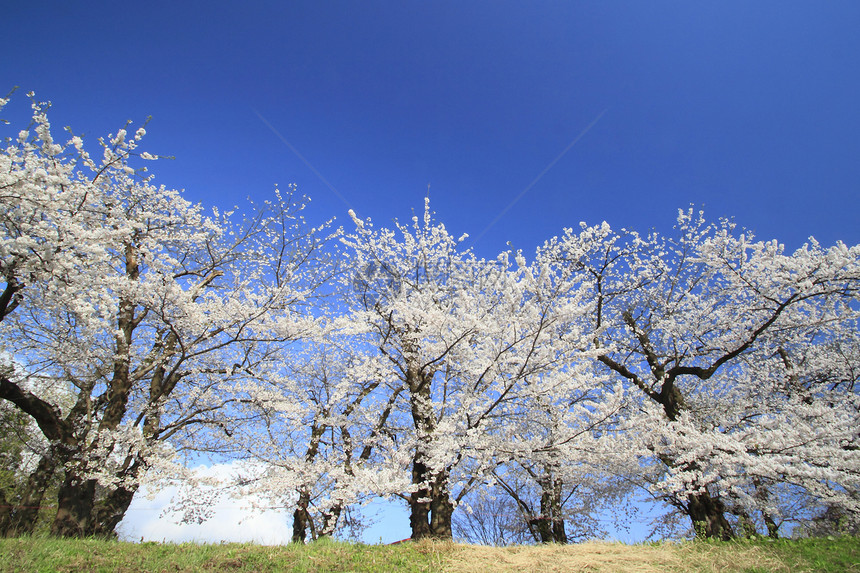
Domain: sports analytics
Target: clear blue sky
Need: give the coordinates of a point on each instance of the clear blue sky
(750, 109)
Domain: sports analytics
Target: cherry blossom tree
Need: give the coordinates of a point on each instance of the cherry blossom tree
(22, 446)
(321, 416)
(466, 338)
(718, 371)
(696, 324)
(794, 423)
(129, 315)
(554, 469)
(538, 503)
(490, 518)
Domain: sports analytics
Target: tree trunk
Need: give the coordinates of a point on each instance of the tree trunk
(111, 510)
(21, 518)
(707, 513)
(708, 516)
(301, 517)
(75, 504)
(5, 515)
(556, 513)
(430, 507)
(329, 521)
(419, 502)
(441, 508)
(762, 494)
(541, 526)
(559, 533)
(84, 512)
(549, 525)
(772, 527)
(419, 518)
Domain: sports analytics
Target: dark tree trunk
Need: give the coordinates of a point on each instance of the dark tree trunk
(111, 508)
(83, 511)
(441, 508)
(430, 507)
(301, 517)
(708, 516)
(419, 518)
(772, 527)
(21, 518)
(541, 526)
(329, 521)
(556, 513)
(75, 505)
(110, 511)
(762, 494)
(5, 514)
(746, 526)
(419, 502)
(558, 531)
(549, 525)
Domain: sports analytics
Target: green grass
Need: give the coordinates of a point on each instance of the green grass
(49, 555)
(824, 555)
(809, 555)
(818, 555)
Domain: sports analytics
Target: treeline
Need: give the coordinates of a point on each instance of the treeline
(517, 398)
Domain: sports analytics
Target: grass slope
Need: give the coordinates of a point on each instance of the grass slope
(813, 555)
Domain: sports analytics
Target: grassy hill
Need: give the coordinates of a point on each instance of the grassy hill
(813, 555)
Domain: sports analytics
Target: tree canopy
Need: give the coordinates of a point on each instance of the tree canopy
(714, 371)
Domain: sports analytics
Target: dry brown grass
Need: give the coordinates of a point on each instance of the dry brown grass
(614, 557)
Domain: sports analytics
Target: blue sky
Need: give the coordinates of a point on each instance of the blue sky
(748, 109)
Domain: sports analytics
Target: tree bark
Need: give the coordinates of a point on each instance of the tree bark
(111, 510)
(441, 508)
(762, 494)
(21, 518)
(549, 525)
(431, 509)
(430, 505)
(301, 517)
(75, 501)
(559, 534)
(419, 502)
(541, 526)
(772, 527)
(5, 514)
(708, 516)
(329, 521)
